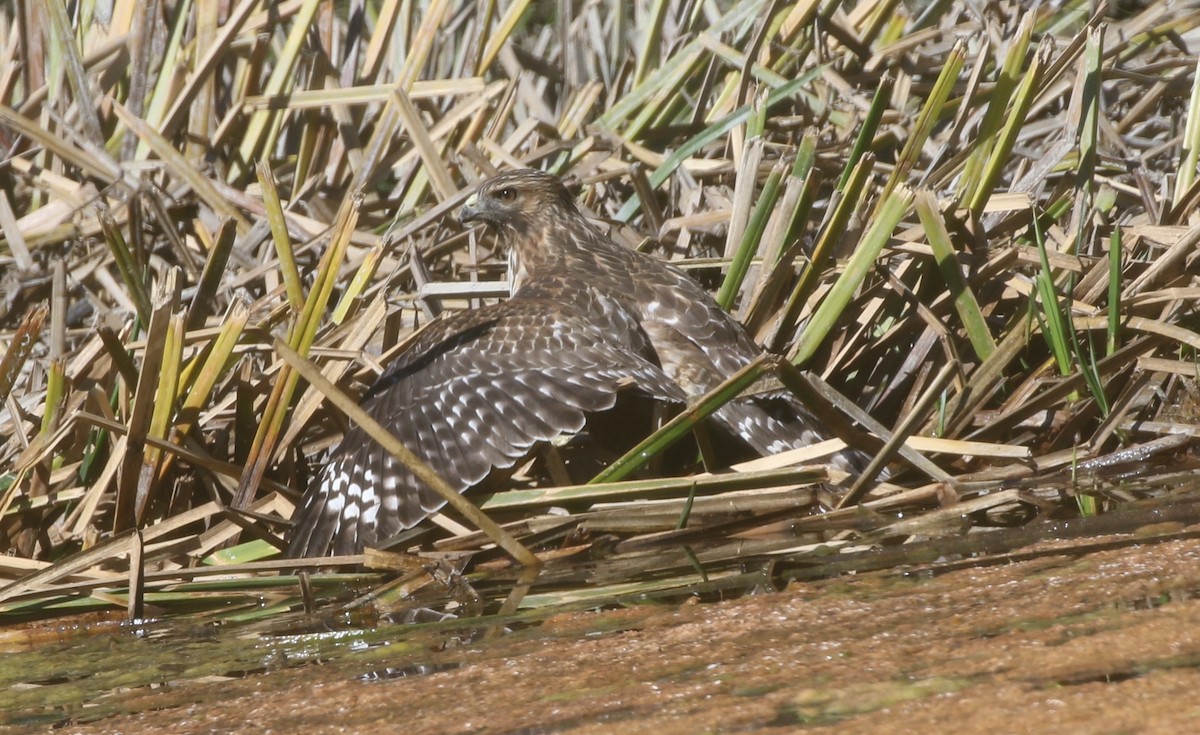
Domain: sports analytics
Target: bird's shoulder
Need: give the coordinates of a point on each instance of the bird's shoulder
(620, 285)
(671, 301)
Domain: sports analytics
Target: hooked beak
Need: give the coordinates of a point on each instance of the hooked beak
(470, 211)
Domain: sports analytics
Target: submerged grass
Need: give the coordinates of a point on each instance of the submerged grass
(899, 199)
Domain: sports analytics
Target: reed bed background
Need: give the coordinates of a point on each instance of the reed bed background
(978, 222)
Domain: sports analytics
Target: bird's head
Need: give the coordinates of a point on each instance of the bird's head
(517, 200)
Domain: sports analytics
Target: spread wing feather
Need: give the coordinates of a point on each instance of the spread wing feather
(475, 392)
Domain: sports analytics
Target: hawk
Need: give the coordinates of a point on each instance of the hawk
(476, 391)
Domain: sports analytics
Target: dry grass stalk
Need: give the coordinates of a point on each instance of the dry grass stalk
(976, 231)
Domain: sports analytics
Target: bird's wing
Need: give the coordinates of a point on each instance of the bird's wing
(699, 344)
(673, 303)
(474, 392)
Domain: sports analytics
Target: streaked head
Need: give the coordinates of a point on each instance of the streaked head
(517, 199)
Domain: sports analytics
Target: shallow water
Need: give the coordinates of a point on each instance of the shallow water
(1049, 618)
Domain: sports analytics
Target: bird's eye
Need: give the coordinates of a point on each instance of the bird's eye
(507, 194)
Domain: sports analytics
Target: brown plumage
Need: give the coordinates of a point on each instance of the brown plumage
(478, 389)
